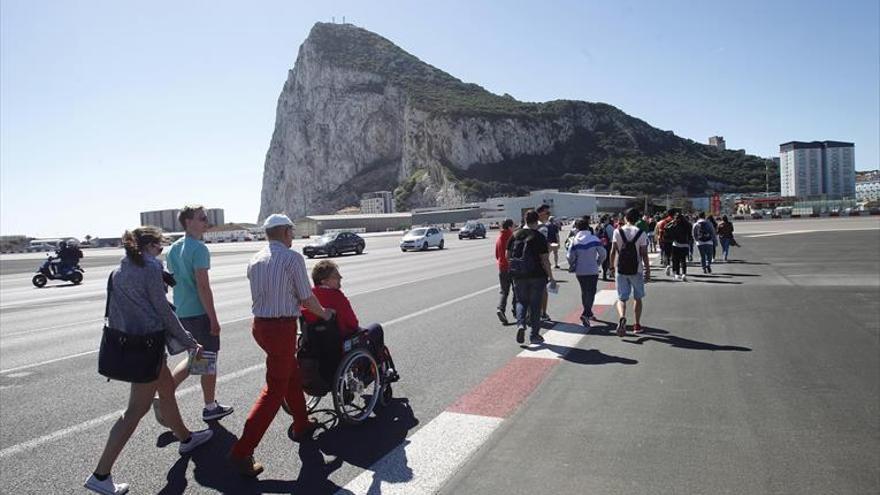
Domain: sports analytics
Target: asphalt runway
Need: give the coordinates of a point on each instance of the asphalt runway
(762, 378)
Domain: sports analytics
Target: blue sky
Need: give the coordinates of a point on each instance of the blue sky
(109, 108)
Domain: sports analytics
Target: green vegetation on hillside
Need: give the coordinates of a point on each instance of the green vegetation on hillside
(620, 152)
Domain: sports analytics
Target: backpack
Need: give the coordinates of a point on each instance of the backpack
(704, 235)
(522, 260)
(602, 235)
(628, 262)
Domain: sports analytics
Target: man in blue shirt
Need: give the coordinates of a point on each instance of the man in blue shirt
(189, 261)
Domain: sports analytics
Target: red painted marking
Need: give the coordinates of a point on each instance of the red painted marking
(503, 391)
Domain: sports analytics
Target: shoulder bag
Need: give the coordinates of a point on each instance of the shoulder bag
(126, 357)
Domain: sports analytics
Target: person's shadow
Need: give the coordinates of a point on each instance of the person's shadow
(664, 337)
(361, 446)
(382, 439)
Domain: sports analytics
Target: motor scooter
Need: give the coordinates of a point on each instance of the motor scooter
(51, 270)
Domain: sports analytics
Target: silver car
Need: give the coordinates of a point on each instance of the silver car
(422, 238)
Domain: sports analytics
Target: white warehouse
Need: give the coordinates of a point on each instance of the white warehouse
(562, 204)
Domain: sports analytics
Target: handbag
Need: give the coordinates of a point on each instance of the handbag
(126, 357)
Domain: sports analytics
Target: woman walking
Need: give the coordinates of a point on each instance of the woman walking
(681, 235)
(725, 236)
(136, 306)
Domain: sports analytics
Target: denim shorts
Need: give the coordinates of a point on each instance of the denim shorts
(627, 284)
(200, 328)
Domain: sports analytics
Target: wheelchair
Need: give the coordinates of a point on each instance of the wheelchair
(356, 372)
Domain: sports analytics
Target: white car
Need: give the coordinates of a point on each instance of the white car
(422, 238)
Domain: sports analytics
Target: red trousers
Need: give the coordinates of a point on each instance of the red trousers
(283, 381)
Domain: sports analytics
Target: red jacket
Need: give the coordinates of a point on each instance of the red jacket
(501, 249)
(335, 300)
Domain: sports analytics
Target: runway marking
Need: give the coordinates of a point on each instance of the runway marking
(36, 442)
(790, 232)
(605, 297)
(236, 320)
(92, 423)
(414, 466)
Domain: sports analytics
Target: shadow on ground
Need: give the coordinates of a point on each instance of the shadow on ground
(361, 446)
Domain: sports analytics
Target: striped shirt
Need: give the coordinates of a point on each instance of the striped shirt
(279, 281)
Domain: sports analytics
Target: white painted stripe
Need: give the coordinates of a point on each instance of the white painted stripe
(235, 320)
(605, 297)
(564, 341)
(30, 444)
(438, 306)
(416, 466)
(789, 232)
(92, 423)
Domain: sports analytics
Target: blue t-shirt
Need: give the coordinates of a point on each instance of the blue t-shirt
(185, 257)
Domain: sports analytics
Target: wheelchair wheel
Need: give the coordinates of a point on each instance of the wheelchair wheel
(311, 404)
(356, 387)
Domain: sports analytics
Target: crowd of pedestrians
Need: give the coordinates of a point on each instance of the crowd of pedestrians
(616, 248)
(137, 308)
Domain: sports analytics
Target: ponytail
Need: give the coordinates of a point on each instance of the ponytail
(134, 242)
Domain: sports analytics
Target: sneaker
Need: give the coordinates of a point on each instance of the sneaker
(246, 466)
(306, 433)
(501, 316)
(158, 413)
(536, 339)
(520, 335)
(684, 278)
(585, 321)
(621, 327)
(545, 317)
(705, 270)
(668, 270)
(106, 487)
(637, 328)
(196, 438)
(217, 412)
(709, 269)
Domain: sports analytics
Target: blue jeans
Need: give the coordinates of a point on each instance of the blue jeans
(725, 246)
(705, 255)
(529, 293)
(588, 293)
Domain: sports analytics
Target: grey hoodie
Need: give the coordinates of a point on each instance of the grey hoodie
(586, 254)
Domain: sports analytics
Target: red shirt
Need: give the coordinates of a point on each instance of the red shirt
(335, 300)
(501, 249)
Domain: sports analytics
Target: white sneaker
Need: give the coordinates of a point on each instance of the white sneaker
(106, 487)
(684, 278)
(196, 438)
(668, 270)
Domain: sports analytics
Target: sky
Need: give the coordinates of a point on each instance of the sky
(110, 108)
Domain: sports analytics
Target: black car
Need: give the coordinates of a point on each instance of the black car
(472, 230)
(335, 244)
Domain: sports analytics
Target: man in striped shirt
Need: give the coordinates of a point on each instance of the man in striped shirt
(279, 286)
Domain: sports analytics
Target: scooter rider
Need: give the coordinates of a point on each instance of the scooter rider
(69, 255)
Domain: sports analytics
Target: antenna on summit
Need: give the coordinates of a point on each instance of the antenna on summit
(343, 19)
(333, 19)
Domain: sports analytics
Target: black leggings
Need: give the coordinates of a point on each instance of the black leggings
(679, 260)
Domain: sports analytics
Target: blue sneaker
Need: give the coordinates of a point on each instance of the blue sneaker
(217, 412)
(536, 339)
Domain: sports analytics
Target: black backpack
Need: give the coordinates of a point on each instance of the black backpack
(705, 235)
(522, 259)
(628, 262)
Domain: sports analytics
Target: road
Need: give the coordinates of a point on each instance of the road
(763, 378)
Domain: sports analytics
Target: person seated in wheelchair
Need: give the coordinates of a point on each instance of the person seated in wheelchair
(328, 289)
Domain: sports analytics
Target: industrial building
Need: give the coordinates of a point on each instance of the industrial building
(167, 219)
(382, 222)
(377, 202)
(562, 204)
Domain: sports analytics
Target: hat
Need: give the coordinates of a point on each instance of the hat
(277, 220)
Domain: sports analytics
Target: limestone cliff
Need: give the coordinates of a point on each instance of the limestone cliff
(359, 114)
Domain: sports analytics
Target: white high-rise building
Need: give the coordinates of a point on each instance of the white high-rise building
(817, 168)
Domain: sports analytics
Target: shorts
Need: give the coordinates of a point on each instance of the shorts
(200, 328)
(627, 284)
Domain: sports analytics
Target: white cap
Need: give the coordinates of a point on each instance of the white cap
(276, 220)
